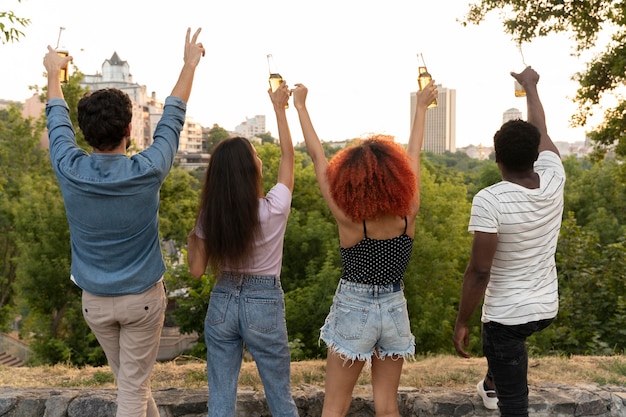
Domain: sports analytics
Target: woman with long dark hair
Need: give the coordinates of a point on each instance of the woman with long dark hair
(239, 233)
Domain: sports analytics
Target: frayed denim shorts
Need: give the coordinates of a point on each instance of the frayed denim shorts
(367, 320)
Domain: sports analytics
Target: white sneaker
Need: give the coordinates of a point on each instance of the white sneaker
(490, 399)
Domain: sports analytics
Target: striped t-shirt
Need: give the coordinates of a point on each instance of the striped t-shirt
(523, 286)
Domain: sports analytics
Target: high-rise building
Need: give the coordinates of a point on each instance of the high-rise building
(440, 130)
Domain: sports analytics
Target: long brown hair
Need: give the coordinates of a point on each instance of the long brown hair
(229, 207)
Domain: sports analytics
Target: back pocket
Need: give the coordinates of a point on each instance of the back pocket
(218, 305)
(349, 321)
(262, 314)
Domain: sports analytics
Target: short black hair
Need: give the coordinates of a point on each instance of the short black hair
(103, 116)
(517, 145)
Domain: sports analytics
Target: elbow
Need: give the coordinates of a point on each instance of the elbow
(478, 276)
(196, 258)
(195, 269)
(196, 273)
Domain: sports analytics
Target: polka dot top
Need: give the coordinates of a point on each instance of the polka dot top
(377, 262)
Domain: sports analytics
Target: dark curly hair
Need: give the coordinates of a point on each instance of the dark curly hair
(372, 179)
(103, 117)
(517, 145)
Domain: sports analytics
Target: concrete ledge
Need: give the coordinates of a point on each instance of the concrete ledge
(547, 400)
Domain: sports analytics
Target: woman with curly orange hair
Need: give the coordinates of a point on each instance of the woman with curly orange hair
(372, 189)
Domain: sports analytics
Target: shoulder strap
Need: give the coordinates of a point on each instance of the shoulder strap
(364, 229)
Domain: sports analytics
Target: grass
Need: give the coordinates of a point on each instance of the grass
(442, 371)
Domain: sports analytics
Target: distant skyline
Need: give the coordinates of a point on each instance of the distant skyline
(358, 59)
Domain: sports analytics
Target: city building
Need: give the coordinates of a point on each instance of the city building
(477, 152)
(4, 104)
(116, 74)
(440, 134)
(251, 127)
(511, 114)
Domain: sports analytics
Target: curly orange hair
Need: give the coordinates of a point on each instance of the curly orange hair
(372, 179)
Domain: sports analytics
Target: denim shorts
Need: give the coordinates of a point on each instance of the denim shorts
(366, 320)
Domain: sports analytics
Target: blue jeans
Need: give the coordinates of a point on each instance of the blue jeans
(247, 309)
(507, 358)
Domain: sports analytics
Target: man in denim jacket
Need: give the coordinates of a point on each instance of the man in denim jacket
(112, 204)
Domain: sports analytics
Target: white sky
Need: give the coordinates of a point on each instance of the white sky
(357, 57)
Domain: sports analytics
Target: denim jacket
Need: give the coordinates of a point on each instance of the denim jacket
(112, 203)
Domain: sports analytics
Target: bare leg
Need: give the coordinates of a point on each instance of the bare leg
(340, 381)
(385, 380)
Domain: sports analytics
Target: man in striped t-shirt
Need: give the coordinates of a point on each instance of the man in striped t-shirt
(512, 269)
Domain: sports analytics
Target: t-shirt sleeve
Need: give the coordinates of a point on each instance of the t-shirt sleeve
(279, 199)
(485, 213)
(550, 161)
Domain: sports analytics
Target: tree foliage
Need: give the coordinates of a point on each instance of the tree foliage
(19, 153)
(605, 74)
(10, 24)
(214, 136)
(179, 204)
(35, 261)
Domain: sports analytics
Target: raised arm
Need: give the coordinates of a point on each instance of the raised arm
(314, 147)
(536, 115)
(285, 168)
(193, 52)
(416, 139)
(53, 63)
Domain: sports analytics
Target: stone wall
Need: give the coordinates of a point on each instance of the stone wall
(548, 400)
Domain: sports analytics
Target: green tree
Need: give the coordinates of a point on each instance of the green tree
(48, 300)
(596, 194)
(19, 153)
(440, 254)
(584, 19)
(179, 205)
(10, 24)
(308, 304)
(267, 138)
(192, 302)
(592, 306)
(214, 136)
(311, 265)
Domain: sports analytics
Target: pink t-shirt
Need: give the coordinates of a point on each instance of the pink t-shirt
(267, 255)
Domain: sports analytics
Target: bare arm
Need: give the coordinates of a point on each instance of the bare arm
(285, 168)
(416, 139)
(193, 52)
(53, 63)
(315, 149)
(475, 282)
(536, 115)
(196, 255)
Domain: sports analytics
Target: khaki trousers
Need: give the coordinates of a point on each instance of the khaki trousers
(128, 328)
